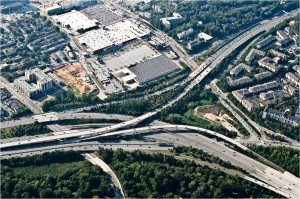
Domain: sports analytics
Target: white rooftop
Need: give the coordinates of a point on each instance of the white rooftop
(75, 20)
(204, 36)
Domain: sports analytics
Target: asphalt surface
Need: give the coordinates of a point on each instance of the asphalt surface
(58, 116)
(85, 146)
(266, 174)
(97, 161)
(276, 181)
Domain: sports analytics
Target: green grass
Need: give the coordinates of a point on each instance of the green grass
(75, 90)
(192, 119)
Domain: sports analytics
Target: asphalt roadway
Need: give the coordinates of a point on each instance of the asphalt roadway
(97, 161)
(85, 146)
(285, 183)
(58, 116)
(260, 171)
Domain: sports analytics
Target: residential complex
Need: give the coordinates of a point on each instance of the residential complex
(34, 82)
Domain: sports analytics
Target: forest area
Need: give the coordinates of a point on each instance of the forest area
(142, 175)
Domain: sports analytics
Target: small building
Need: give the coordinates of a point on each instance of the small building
(53, 10)
(11, 7)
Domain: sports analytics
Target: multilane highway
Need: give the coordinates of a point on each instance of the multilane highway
(269, 177)
(283, 183)
(58, 116)
(194, 79)
(212, 62)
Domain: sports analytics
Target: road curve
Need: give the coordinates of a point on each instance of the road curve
(97, 161)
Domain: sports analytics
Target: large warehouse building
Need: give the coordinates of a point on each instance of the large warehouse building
(147, 71)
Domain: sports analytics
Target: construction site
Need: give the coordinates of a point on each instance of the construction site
(74, 75)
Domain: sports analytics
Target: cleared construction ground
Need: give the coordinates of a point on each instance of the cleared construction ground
(74, 75)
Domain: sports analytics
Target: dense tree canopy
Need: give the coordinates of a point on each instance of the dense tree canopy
(53, 175)
(284, 157)
(18, 131)
(143, 176)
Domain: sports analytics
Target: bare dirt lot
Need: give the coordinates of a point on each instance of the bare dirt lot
(74, 75)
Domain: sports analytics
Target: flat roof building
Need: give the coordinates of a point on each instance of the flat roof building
(277, 53)
(28, 89)
(34, 82)
(236, 70)
(206, 37)
(263, 75)
(185, 34)
(75, 21)
(238, 82)
(263, 87)
(268, 95)
(293, 78)
(153, 69)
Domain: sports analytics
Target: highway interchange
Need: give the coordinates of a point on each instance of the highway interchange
(281, 182)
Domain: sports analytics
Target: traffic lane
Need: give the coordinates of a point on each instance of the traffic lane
(84, 147)
(55, 116)
(207, 145)
(65, 135)
(253, 167)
